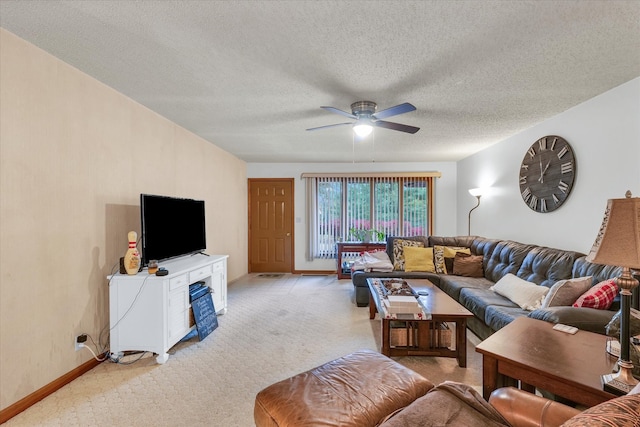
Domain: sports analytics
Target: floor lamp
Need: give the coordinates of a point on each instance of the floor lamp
(618, 243)
(477, 193)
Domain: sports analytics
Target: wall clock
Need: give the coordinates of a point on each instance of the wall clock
(547, 174)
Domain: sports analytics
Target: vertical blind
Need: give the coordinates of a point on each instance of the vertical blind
(365, 207)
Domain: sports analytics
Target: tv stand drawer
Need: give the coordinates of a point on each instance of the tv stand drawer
(178, 281)
(200, 273)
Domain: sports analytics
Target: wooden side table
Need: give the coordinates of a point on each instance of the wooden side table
(530, 351)
(355, 247)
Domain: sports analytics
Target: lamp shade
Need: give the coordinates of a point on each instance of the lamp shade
(618, 241)
(475, 192)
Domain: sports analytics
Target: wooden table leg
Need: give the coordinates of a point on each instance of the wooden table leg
(489, 375)
(386, 330)
(461, 342)
(372, 306)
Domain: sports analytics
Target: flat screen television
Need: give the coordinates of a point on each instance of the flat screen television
(171, 227)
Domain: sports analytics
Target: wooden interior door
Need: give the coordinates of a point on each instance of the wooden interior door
(271, 225)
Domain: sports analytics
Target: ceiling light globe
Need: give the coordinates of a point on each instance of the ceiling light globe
(362, 130)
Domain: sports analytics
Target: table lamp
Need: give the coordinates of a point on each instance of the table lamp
(618, 243)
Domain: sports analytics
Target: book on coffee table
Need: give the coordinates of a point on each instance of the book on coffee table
(398, 304)
(402, 300)
(393, 309)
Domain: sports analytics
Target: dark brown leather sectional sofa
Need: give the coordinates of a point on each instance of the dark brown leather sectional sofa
(541, 265)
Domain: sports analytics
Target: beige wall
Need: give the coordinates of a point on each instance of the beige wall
(74, 157)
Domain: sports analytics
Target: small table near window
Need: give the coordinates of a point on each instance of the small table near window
(347, 251)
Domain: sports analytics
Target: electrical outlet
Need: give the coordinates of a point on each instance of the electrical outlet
(80, 339)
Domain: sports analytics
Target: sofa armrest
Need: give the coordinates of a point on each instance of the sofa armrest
(524, 409)
(586, 319)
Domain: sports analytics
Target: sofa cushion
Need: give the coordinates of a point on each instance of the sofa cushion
(468, 265)
(599, 272)
(448, 404)
(545, 266)
(483, 246)
(452, 285)
(477, 300)
(419, 259)
(527, 295)
(623, 411)
(398, 251)
(566, 292)
(585, 319)
(497, 317)
(600, 296)
(461, 241)
(506, 258)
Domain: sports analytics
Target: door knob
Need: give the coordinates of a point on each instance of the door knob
(288, 234)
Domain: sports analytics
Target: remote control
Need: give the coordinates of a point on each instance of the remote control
(565, 328)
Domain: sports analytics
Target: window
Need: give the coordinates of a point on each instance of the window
(345, 208)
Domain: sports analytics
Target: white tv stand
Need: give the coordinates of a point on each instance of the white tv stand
(151, 313)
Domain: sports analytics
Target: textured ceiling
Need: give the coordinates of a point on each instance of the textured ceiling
(250, 76)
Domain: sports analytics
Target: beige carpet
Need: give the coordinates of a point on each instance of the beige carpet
(275, 328)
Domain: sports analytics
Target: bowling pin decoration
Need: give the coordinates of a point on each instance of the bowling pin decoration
(132, 257)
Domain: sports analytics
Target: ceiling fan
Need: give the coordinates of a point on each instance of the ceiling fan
(364, 112)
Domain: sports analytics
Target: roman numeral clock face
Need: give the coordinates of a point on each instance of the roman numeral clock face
(547, 174)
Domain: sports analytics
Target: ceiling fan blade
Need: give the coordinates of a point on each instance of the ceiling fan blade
(396, 126)
(330, 126)
(394, 111)
(342, 113)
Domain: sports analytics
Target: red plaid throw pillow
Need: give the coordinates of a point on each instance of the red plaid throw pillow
(600, 296)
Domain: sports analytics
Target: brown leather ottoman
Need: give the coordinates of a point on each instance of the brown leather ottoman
(358, 390)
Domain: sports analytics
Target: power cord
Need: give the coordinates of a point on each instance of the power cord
(101, 336)
(118, 358)
(83, 344)
(95, 356)
(108, 356)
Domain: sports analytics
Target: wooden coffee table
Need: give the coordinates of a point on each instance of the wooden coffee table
(439, 306)
(530, 351)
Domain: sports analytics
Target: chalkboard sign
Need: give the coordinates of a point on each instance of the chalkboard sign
(204, 315)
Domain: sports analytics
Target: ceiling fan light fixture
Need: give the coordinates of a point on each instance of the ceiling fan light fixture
(362, 129)
(366, 117)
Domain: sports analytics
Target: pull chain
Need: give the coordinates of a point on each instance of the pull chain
(373, 146)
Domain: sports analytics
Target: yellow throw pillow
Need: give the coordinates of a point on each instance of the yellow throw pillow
(442, 252)
(418, 259)
(398, 251)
